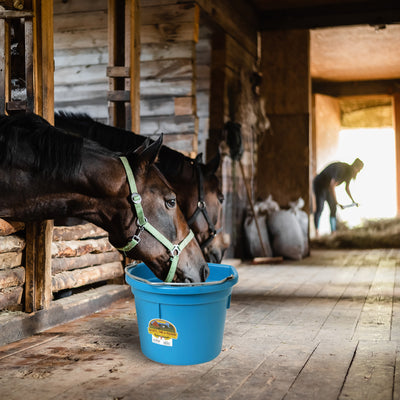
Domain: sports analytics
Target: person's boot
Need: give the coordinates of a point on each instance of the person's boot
(332, 221)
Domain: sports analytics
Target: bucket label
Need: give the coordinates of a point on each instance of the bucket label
(162, 332)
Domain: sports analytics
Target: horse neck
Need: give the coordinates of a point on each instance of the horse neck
(90, 195)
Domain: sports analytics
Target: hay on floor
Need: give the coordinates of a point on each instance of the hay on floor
(372, 234)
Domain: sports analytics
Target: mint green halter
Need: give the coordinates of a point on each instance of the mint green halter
(142, 223)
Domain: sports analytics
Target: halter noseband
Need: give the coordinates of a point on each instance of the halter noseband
(202, 208)
(142, 223)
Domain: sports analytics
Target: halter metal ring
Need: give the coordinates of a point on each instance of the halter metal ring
(201, 204)
(175, 251)
(136, 198)
(141, 227)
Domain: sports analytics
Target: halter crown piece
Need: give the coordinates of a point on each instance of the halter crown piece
(142, 223)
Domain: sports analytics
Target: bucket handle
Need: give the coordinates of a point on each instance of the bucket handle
(137, 278)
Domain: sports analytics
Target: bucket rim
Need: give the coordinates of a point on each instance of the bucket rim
(131, 266)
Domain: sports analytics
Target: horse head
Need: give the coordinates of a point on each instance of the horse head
(207, 225)
(161, 234)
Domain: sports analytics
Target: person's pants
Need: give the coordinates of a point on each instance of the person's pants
(322, 195)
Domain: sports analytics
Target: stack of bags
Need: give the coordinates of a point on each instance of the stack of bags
(284, 231)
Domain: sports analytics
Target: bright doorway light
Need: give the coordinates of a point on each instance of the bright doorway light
(375, 186)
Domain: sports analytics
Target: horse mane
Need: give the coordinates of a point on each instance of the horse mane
(170, 162)
(28, 138)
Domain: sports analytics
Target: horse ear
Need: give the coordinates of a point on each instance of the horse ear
(212, 166)
(147, 153)
(199, 158)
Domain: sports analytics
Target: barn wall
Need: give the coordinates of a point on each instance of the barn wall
(81, 57)
(168, 35)
(327, 127)
(283, 162)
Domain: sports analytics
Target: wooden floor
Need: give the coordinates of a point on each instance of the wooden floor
(327, 327)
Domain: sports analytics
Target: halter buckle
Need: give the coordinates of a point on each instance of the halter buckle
(136, 198)
(201, 204)
(136, 238)
(175, 251)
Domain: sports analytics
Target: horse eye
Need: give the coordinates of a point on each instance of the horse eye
(171, 203)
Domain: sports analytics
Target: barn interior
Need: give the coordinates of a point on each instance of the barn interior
(309, 82)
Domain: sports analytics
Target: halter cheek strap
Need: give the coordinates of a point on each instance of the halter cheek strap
(202, 208)
(143, 224)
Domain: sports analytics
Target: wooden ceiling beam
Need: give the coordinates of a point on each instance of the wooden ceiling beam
(357, 13)
(356, 88)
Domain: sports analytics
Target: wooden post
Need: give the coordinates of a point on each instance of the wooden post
(217, 92)
(39, 234)
(283, 152)
(396, 124)
(124, 64)
(132, 59)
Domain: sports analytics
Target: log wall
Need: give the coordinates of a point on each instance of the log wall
(81, 256)
(12, 269)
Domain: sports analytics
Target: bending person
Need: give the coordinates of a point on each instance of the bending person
(324, 185)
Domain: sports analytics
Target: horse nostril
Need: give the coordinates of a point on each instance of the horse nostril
(204, 272)
(188, 280)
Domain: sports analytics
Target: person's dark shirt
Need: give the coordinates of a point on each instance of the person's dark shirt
(339, 171)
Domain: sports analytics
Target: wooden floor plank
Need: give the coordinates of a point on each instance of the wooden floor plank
(326, 327)
(376, 316)
(329, 362)
(371, 374)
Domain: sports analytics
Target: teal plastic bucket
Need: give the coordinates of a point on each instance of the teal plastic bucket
(179, 323)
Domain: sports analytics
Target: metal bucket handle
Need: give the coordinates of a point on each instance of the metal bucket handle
(176, 283)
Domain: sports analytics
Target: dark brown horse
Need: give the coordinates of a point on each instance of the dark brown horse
(196, 185)
(46, 173)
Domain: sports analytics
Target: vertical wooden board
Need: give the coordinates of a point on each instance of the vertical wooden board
(3, 64)
(283, 160)
(396, 122)
(134, 64)
(285, 65)
(38, 293)
(370, 376)
(217, 92)
(30, 101)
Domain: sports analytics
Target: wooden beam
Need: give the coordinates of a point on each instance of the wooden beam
(396, 124)
(218, 84)
(132, 60)
(38, 266)
(39, 234)
(356, 88)
(356, 13)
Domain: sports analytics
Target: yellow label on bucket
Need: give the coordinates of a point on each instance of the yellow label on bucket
(163, 331)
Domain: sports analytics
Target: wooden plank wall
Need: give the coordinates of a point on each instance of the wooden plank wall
(169, 33)
(81, 57)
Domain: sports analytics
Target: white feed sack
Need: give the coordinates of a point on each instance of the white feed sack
(302, 218)
(287, 238)
(254, 247)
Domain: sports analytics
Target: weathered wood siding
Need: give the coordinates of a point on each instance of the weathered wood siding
(81, 57)
(168, 35)
(12, 268)
(283, 165)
